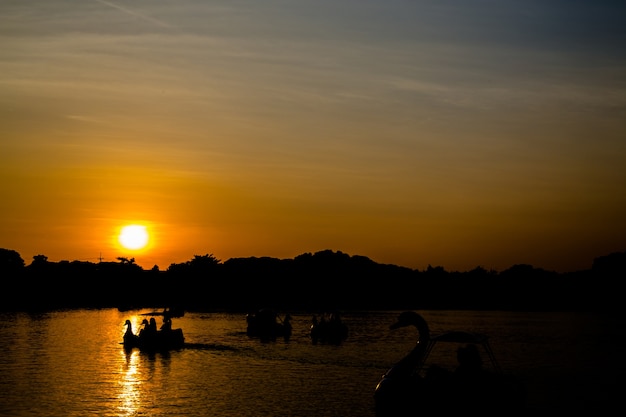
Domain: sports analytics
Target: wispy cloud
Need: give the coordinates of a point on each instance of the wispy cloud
(136, 14)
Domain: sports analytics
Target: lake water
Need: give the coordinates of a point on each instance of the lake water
(71, 363)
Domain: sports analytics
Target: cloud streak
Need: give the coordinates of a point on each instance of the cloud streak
(136, 14)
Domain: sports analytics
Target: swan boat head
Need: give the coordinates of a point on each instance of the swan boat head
(129, 336)
(411, 318)
(394, 391)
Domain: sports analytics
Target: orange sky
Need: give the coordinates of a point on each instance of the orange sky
(413, 133)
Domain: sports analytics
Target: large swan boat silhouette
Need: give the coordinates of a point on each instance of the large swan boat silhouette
(151, 339)
(413, 386)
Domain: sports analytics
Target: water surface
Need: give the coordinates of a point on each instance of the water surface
(71, 363)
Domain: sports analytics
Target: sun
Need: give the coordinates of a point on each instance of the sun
(134, 237)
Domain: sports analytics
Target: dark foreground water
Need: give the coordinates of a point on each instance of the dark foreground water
(72, 364)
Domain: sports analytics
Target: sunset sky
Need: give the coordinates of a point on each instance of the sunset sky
(444, 133)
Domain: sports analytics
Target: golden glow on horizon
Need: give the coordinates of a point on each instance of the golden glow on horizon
(134, 237)
(464, 145)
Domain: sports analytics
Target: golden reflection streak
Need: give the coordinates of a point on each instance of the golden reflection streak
(130, 395)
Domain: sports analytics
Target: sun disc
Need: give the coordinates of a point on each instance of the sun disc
(133, 237)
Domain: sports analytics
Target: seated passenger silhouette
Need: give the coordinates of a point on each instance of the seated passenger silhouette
(167, 324)
(472, 384)
(150, 329)
(470, 362)
(145, 327)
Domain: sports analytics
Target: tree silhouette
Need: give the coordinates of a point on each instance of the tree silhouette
(321, 281)
(10, 260)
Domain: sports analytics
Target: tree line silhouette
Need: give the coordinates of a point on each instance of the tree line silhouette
(321, 281)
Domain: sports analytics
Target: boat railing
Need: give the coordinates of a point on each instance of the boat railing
(460, 337)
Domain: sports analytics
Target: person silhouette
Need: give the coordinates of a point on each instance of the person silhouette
(471, 383)
(145, 328)
(470, 362)
(287, 328)
(167, 324)
(152, 326)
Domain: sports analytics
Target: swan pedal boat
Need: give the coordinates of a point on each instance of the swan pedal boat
(265, 324)
(331, 330)
(161, 340)
(415, 386)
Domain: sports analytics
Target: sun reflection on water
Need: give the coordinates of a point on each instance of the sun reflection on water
(130, 393)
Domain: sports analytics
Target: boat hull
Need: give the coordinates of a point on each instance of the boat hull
(264, 325)
(330, 333)
(159, 341)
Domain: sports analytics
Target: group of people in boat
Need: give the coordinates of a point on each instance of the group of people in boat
(267, 325)
(149, 327)
(149, 337)
(329, 329)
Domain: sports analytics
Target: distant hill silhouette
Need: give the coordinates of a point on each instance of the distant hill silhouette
(321, 281)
